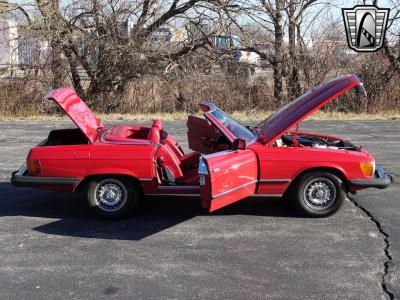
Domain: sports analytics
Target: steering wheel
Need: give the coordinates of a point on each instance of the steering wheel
(219, 140)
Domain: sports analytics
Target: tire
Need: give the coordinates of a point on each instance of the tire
(318, 194)
(123, 197)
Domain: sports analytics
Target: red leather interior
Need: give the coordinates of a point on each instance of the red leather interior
(122, 133)
(191, 177)
(183, 167)
(154, 133)
(201, 134)
(169, 156)
(171, 142)
(190, 161)
(157, 123)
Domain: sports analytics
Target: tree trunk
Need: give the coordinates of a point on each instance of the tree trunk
(73, 66)
(56, 58)
(293, 84)
(56, 66)
(278, 74)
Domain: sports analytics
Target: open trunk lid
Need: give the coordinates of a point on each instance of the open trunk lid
(294, 112)
(78, 111)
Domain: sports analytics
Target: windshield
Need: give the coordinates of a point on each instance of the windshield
(236, 128)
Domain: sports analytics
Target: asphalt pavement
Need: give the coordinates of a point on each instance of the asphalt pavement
(52, 247)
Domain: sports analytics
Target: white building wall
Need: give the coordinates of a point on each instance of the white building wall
(8, 42)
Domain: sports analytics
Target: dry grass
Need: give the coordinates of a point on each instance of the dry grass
(322, 115)
(172, 99)
(250, 116)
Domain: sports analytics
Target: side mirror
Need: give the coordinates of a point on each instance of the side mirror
(239, 144)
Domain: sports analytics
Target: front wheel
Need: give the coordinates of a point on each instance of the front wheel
(112, 197)
(318, 194)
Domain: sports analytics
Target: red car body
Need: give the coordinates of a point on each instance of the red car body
(227, 164)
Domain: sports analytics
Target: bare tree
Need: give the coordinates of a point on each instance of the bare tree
(114, 41)
(275, 12)
(295, 11)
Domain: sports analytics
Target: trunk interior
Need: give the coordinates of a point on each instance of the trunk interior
(61, 137)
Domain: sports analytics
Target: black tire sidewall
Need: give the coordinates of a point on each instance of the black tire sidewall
(130, 205)
(300, 202)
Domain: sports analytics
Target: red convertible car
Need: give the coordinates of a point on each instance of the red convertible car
(117, 166)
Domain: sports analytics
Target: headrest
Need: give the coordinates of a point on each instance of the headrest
(154, 135)
(157, 123)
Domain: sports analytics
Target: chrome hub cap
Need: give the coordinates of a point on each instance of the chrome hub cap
(319, 193)
(110, 194)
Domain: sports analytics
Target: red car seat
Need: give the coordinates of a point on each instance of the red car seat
(157, 123)
(177, 170)
(176, 166)
(154, 132)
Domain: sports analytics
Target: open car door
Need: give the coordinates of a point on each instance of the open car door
(227, 177)
(201, 134)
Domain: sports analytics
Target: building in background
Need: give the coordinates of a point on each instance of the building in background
(8, 41)
(20, 51)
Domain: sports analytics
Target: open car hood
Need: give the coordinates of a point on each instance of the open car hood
(78, 111)
(294, 112)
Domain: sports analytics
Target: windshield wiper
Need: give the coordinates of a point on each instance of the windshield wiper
(253, 128)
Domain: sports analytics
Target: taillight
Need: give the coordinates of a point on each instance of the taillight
(34, 166)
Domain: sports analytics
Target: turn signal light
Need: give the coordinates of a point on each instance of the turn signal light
(368, 168)
(34, 166)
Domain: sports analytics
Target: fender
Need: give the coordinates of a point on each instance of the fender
(321, 165)
(115, 171)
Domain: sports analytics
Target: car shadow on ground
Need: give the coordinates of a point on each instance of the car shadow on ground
(155, 214)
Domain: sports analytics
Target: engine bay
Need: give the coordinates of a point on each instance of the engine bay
(315, 141)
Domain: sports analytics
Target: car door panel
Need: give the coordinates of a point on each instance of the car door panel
(227, 177)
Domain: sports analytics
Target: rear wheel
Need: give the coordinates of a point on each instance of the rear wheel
(318, 194)
(112, 196)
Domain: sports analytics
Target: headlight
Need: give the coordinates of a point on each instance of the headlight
(367, 167)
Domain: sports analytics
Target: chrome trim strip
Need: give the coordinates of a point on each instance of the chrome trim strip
(145, 179)
(178, 187)
(202, 170)
(211, 106)
(217, 154)
(175, 195)
(234, 189)
(274, 180)
(198, 195)
(267, 195)
(37, 181)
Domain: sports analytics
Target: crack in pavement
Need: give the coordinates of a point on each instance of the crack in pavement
(386, 249)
